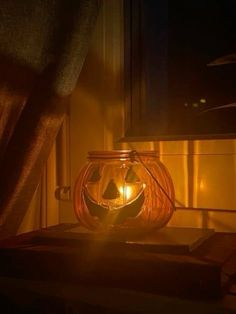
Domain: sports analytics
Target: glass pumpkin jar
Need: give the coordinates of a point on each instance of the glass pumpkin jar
(123, 190)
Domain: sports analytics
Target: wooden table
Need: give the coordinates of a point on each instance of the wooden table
(61, 264)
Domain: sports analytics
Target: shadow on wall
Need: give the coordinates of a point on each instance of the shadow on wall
(98, 103)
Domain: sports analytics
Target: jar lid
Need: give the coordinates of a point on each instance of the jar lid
(121, 154)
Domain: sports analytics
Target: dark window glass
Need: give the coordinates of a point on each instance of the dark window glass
(172, 90)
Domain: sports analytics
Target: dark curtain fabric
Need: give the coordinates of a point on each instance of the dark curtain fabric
(43, 44)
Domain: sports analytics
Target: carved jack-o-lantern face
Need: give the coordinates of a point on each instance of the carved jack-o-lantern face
(112, 191)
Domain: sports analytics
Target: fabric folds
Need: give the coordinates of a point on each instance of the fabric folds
(43, 44)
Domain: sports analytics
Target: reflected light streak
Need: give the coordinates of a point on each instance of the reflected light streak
(126, 191)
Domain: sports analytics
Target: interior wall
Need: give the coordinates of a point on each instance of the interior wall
(96, 110)
(204, 177)
(43, 210)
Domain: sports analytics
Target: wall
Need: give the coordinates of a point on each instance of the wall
(43, 210)
(96, 112)
(204, 176)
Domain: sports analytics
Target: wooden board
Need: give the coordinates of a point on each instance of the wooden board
(166, 240)
(65, 255)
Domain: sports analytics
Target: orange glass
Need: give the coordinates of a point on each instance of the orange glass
(120, 190)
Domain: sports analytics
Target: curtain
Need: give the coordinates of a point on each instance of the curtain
(43, 44)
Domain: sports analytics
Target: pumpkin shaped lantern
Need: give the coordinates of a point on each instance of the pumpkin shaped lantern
(123, 190)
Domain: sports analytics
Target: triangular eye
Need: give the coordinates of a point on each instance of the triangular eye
(111, 191)
(131, 176)
(95, 176)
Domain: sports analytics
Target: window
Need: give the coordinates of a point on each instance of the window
(171, 90)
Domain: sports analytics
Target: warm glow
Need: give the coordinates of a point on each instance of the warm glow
(115, 194)
(126, 191)
(202, 185)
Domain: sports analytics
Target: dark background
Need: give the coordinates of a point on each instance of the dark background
(171, 86)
